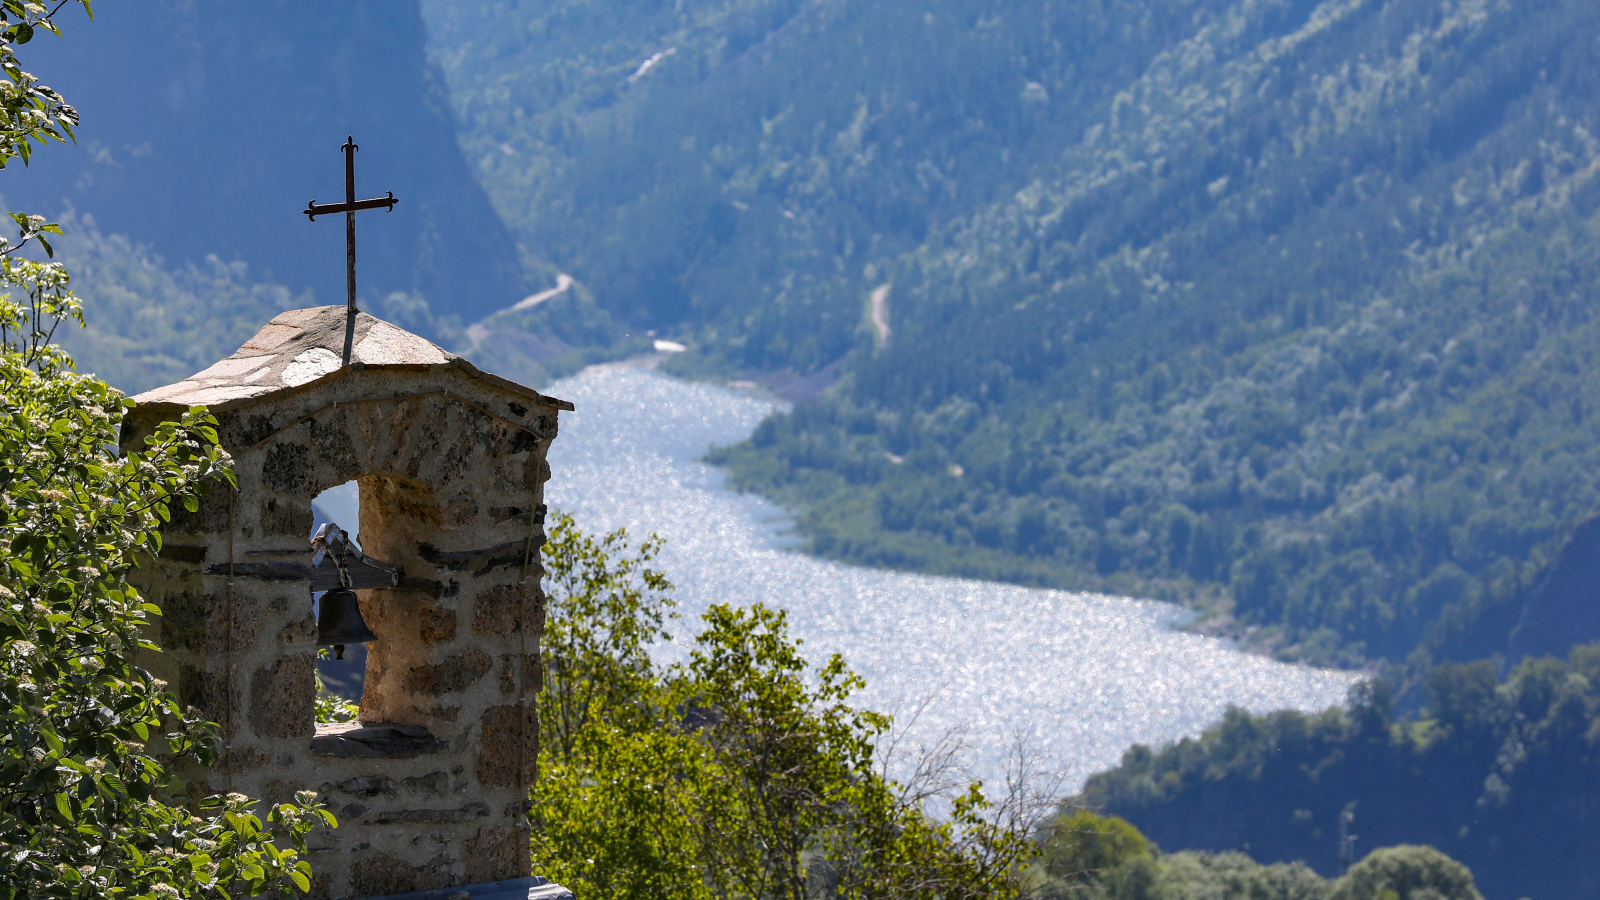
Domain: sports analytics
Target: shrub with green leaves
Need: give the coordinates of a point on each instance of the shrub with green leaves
(88, 802)
(743, 772)
(1406, 872)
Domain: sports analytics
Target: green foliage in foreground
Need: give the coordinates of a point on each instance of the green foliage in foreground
(743, 772)
(1501, 775)
(30, 111)
(88, 801)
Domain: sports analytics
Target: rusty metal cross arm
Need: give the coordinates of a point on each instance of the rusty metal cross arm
(313, 209)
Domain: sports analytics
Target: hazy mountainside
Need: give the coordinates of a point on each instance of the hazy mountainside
(732, 166)
(150, 324)
(252, 103)
(1287, 304)
(1501, 776)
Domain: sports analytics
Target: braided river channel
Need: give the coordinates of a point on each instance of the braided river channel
(1076, 677)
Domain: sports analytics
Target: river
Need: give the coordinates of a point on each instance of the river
(1077, 677)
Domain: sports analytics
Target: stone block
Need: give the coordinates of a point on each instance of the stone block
(209, 517)
(427, 785)
(501, 514)
(455, 673)
(244, 759)
(300, 632)
(283, 696)
(204, 692)
(239, 431)
(460, 509)
(369, 786)
(330, 435)
(536, 473)
(497, 610)
(544, 426)
(288, 470)
(502, 733)
(532, 674)
(443, 712)
(384, 874)
(376, 741)
(183, 621)
(497, 853)
(196, 622)
(468, 812)
(436, 625)
(390, 497)
(286, 519)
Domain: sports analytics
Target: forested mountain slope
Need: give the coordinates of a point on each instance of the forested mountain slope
(1284, 304)
(208, 126)
(151, 323)
(1500, 775)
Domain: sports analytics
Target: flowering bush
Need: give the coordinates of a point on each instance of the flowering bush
(87, 738)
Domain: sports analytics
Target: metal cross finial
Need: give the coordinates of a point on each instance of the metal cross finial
(350, 207)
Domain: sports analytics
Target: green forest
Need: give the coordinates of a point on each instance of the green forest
(1277, 308)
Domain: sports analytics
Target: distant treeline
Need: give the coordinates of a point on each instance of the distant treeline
(1085, 856)
(1504, 776)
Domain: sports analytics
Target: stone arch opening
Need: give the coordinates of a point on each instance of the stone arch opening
(341, 505)
(391, 520)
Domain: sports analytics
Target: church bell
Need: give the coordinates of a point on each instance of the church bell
(339, 621)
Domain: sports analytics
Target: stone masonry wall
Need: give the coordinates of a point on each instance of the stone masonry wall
(430, 789)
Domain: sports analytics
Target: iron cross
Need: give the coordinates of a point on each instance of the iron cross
(350, 207)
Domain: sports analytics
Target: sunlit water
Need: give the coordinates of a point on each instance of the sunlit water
(1079, 676)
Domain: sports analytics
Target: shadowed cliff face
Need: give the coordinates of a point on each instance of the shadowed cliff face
(1559, 610)
(1563, 609)
(207, 127)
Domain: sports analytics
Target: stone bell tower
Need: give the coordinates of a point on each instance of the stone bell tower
(430, 784)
